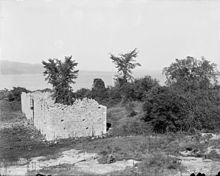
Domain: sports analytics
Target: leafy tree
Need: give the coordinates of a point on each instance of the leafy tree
(166, 110)
(61, 75)
(98, 84)
(125, 63)
(137, 89)
(196, 81)
(99, 92)
(191, 74)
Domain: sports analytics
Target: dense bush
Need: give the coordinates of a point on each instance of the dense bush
(4, 93)
(169, 110)
(15, 93)
(106, 96)
(82, 93)
(142, 86)
(136, 90)
(130, 91)
(196, 81)
(205, 107)
(114, 95)
(165, 110)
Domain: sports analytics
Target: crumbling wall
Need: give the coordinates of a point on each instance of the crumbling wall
(84, 118)
(26, 104)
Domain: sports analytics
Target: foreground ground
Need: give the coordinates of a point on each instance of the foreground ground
(23, 150)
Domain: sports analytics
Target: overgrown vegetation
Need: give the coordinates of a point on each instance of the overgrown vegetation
(166, 110)
(196, 81)
(13, 95)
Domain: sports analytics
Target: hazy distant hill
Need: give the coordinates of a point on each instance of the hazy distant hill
(16, 68)
(11, 67)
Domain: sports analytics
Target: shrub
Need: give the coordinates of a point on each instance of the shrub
(4, 93)
(114, 96)
(142, 86)
(15, 93)
(136, 90)
(205, 105)
(165, 110)
(82, 93)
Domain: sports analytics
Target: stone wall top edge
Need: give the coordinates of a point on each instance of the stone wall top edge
(48, 99)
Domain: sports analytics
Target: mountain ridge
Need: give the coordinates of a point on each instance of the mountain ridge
(20, 68)
(14, 67)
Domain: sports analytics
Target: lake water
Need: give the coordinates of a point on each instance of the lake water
(37, 81)
(84, 80)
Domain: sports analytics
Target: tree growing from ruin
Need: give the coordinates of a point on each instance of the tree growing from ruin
(125, 63)
(61, 75)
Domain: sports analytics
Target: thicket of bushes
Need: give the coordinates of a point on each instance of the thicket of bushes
(15, 93)
(166, 110)
(190, 101)
(112, 95)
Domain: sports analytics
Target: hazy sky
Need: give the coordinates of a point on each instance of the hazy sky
(89, 30)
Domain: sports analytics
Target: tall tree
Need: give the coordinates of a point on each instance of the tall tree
(191, 74)
(196, 81)
(125, 63)
(98, 84)
(61, 75)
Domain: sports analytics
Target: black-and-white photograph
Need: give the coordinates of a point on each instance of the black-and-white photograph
(109, 87)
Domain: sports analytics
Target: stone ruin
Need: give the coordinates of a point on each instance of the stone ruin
(55, 121)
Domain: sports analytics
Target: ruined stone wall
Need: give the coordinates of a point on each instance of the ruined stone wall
(84, 118)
